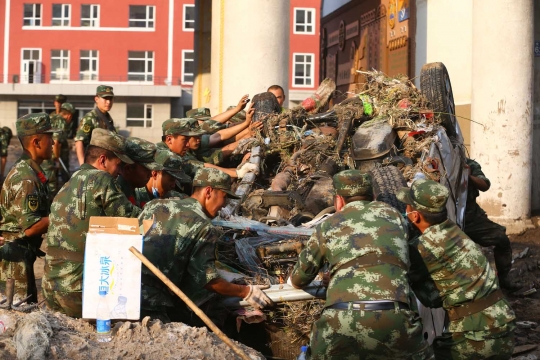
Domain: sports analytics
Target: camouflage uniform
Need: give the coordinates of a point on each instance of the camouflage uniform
(483, 231)
(459, 278)
(5, 138)
(23, 202)
(205, 153)
(95, 119)
(182, 244)
(361, 230)
(89, 192)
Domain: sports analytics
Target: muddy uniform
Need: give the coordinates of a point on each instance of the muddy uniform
(353, 242)
(93, 120)
(24, 200)
(483, 231)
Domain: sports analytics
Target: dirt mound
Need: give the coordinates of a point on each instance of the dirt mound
(76, 339)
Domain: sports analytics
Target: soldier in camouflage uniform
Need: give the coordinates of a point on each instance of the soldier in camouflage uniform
(369, 312)
(458, 277)
(182, 244)
(5, 138)
(24, 205)
(136, 175)
(59, 100)
(485, 232)
(98, 118)
(91, 191)
(163, 182)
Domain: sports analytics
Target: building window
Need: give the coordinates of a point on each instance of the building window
(30, 66)
(141, 16)
(90, 15)
(32, 15)
(140, 66)
(188, 66)
(304, 21)
(303, 70)
(61, 14)
(139, 115)
(89, 65)
(189, 17)
(59, 64)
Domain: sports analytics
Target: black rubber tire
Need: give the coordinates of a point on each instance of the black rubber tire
(387, 181)
(436, 86)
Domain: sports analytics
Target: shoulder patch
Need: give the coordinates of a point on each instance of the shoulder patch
(86, 128)
(33, 202)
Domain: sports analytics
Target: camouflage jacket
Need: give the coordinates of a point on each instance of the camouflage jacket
(360, 228)
(476, 170)
(182, 244)
(89, 192)
(92, 120)
(128, 191)
(191, 164)
(458, 273)
(143, 197)
(24, 199)
(4, 142)
(58, 122)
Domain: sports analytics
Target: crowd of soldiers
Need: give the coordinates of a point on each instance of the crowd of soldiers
(181, 184)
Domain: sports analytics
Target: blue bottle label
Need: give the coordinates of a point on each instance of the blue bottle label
(103, 326)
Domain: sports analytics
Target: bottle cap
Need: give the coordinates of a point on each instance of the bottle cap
(303, 348)
(102, 292)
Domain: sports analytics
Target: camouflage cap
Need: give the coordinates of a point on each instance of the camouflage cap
(184, 126)
(108, 140)
(239, 117)
(67, 106)
(212, 126)
(214, 178)
(104, 91)
(142, 152)
(32, 124)
(198, 113)
(60, 98)
(425, 195)
(172, 164)
(352, 183)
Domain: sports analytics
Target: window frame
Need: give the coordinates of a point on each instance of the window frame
(146, 61)
(144, 120)
(306, 24)
(62, 57)
(33, 19)
(63, 20)
(184, 20)
(94, 22)
(183, 81)
(38, 62)
(147, 20)
(90, 73)
(310, 76)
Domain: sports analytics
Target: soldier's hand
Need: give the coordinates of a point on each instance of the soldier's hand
(245, 168)
(243, 102)
(2, 241)
(257, 298)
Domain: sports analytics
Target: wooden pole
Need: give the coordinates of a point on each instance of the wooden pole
(189, 303)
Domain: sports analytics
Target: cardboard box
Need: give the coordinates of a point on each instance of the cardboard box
(109, 265)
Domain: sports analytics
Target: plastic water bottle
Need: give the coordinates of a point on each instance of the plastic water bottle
(103, 319)
(303, 353)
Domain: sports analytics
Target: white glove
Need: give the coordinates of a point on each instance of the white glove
(257, 298)
(289, 281)
(245, 168)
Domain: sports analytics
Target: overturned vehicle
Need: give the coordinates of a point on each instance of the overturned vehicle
(390, 129)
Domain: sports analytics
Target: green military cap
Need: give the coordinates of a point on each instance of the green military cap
(142, 152)
(184, 126)
(104, 91)
(211, 126)
(108, 140)
(352, 183)
(198, 113)
(239, 116)
(32, 124)
(214, 178)
(425, 195)
(60, 98)
(67, 106)
(172, 164)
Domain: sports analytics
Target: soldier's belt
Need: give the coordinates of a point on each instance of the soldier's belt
(369, 305)
(63, 254)
(372, 260)
(474, 307)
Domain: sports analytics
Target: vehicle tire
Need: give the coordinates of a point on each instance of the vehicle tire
(387, 181)
(436, 86)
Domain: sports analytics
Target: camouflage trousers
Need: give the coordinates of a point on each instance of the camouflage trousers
(485, 233)
(69, 303)
(497, 344)
(369, 335)
(17, 272)
(50, 172)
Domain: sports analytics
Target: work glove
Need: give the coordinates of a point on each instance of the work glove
(243, 169)
(257, 298)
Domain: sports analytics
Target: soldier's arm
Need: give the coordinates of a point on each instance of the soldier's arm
(309, 262)
(113, 200)
(38, 228)
(202, 261)
(229, 171)
(83, 137)
(477, 176)
(26, 208)
(227, 115)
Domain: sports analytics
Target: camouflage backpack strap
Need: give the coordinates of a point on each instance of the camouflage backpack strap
(371, 259)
